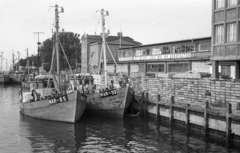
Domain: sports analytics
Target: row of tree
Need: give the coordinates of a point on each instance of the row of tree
(71, 45)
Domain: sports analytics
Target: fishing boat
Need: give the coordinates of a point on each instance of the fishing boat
(15, 78)
(103, 97)
(15, 74)
(50, 98)
(4, 78)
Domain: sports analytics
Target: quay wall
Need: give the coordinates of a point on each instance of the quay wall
(191, 91)
(212, 105)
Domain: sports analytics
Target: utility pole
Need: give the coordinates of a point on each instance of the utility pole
(38, 43)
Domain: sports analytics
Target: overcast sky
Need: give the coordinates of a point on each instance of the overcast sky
(146, 21)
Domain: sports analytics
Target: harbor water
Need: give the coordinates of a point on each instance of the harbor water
(94, 134)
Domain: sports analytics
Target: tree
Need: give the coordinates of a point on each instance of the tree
(71, 45)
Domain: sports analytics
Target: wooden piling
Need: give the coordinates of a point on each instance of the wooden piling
(187, 116)
(206, 118)
(142, 103)
(171, 110)
(228, 122)
(157, 107)
(145, 105)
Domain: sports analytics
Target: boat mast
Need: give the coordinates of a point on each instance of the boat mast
(18, 61)
(1, 61)
(13, 61)
(57, 44)
(104, 46)
(27, 62)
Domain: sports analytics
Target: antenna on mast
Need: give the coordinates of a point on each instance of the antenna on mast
(38, 43)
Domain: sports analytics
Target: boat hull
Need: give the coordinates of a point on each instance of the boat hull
(16, 80)
(4, 79)
(68, 111)
(114, 106)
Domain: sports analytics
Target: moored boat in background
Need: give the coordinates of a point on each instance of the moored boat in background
(4, 78)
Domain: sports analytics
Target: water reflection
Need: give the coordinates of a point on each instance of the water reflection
(105, 134)
(23, 134)
(53, 136)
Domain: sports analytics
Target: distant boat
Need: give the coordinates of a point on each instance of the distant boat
(15, 78)
(4, 78)
(49, 98)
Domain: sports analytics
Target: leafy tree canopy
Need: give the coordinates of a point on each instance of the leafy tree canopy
(71, 45)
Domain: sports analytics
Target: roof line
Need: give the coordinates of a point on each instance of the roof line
(170, 42)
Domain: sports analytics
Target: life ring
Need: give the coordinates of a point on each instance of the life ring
(34, 95)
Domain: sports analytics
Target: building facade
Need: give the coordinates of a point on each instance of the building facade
(92, 48)
(225, 54)
(169, 57)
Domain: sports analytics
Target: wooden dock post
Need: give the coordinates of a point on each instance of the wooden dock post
(145, 105)
(206, 118)
(187, 116)
(142, 103)
(157, 107)
(171, 110)
(228, 122)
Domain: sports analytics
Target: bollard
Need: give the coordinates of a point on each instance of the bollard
(187, 116)
(228, 122)
(171, 110)
(206, 118)
(157, 107)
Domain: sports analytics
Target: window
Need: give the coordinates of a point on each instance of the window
(138, 52)
(155, 67)
(147, 52)
(156, 51)
(129, 53)
(190, 48)
(183, 48)
(165, 50)
(141, 67)
(178, 67)
(231, 2)
(122, 53)
(219, 4)
(176, 49)
(231, 32)
(204, 46)
(219, 34)
(226, 71)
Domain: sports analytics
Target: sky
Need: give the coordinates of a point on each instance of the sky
(146, 21)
